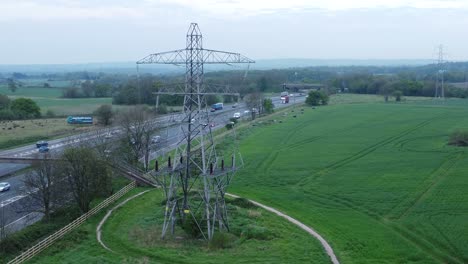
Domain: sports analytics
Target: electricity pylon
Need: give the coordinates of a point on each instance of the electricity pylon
(195, 181)
(439, 92)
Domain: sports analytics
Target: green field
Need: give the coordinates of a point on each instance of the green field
(49, 98)
(133, 234)
(377, 180)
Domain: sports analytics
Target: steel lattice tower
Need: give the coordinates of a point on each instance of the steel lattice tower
(195, 181)
(439, 92)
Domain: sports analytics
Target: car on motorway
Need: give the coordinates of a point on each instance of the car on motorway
(246, 112)
(212, 124)
(42, 143)
(155, 139)
(235, 105)
(44, 149)
(4, 186)
(237, 115)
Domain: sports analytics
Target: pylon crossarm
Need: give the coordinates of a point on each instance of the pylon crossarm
(223, 57)
(168, 57)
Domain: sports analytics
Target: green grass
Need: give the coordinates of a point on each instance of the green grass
(377, 180)
(21, 132)
(32, 92)
(133, 233)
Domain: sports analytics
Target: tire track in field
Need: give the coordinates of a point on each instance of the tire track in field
(439, 174)
(411, 237)
(364, 152)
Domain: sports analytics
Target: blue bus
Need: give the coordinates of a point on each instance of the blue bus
(218, 106)
(80, 120)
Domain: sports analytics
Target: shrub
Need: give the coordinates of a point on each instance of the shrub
(242, 202)
(221, 240)
(256, 232)
(162, 109)
(398, 94)
(7, 114)
(317, 98)
(459, 138)
(50, 113)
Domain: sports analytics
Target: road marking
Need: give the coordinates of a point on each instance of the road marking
(19, 219)
(11, 200)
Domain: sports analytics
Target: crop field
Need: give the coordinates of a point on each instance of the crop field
(49, 98)
(377, 180)
(133, 234)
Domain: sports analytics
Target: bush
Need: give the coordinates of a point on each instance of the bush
(317, 98)
(162, 109)
(190, 227)
(242, 202)
(459, 138)
(229, 126)
(7, 114)
(398, 94)
(221, 240)
(25, 108)
(50, 113)
(256, 232)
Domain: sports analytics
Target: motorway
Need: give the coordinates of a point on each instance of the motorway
(11, 201)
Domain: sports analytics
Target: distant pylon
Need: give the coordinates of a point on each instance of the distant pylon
(439, 89)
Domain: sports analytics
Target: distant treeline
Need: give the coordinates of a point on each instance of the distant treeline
(128, 89)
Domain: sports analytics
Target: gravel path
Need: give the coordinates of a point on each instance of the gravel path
(98, 228)
(309, 230)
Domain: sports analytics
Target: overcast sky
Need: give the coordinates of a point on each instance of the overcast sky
(82, 31)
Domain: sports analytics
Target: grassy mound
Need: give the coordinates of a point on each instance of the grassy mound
(133, 232)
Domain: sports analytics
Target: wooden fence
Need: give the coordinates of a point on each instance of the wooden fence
(45, 243)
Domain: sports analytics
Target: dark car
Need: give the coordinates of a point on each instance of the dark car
(44, 149)
(42, 143)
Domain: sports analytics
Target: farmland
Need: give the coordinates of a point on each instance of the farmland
(377, 180)
(50, 98)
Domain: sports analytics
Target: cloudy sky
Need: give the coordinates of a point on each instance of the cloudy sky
(82, 31)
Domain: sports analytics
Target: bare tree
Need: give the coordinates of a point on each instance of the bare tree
(88, 175)
(44, 187)
(254, 103)
(138, 129)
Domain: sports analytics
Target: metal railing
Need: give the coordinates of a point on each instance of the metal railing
(48, 241)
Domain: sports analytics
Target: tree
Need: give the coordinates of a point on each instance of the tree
(104, 114)
(88, 88)
(254, 103)
(387, 89)
(12, 85)
(88, 175)
(317, 98)
(268, 105)
(397, 94)
(25, 108)
(44, 187)
(137, 130)
(262, 84)
(4, 102)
